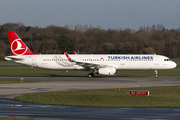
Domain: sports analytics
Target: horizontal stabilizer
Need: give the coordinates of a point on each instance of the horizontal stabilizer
(13, 58)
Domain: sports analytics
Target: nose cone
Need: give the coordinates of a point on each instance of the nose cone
(173, 64)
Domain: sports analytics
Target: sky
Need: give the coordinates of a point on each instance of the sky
(109, 14)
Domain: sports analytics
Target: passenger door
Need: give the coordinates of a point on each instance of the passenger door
(156, 62)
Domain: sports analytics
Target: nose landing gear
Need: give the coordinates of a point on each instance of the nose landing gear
(156, 74)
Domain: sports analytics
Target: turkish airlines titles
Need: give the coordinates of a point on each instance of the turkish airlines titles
(132, 57)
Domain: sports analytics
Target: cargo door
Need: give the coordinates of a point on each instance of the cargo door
(34, 61)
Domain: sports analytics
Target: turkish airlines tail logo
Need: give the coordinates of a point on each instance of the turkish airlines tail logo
(17, 45)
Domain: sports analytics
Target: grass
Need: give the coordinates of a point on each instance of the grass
(20, 81)
(176, 60)
(28, 71)
(159, 97)
(7, 63)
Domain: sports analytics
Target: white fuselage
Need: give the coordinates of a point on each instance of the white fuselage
(118, 61)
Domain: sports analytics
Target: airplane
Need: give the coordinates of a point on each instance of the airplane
(104, 64)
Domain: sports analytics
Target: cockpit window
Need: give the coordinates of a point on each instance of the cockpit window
(167, 60)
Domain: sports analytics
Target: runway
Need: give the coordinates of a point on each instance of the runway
(12, 108)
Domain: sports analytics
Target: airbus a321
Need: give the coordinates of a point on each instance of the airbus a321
(104, 64)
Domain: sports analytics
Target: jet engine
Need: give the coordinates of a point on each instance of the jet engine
(106, 71)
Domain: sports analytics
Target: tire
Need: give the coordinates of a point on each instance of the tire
(156, 76)
(92, 74)
(89, 75)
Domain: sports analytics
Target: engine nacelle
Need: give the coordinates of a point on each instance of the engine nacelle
(106, 71)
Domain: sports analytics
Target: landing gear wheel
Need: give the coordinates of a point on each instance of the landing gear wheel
(156, 74)
(91, 75)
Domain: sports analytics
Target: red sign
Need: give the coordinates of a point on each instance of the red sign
(139, 92)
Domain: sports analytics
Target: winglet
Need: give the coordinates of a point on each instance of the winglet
(67, 56)
(75, 53)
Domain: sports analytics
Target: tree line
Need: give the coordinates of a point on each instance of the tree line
(93, 40)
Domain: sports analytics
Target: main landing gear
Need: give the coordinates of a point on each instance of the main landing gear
(156, 74)
(91, 75)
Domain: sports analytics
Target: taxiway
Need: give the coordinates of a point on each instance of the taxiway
(80, 83)
(13, 108)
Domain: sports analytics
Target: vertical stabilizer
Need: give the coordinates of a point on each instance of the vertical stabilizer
(18, 47)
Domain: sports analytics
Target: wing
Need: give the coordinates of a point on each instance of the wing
(86, 64)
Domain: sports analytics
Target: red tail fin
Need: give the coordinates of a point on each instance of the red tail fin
(18, 47)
